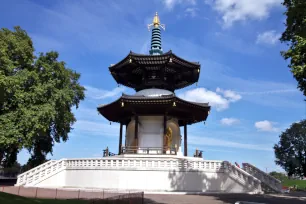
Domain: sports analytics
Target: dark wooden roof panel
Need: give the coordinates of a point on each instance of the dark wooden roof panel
(146, 71)
(185, 111)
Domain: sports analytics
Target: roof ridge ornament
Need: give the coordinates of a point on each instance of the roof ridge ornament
(156, 48)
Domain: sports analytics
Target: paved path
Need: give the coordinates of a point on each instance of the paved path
(223, 199)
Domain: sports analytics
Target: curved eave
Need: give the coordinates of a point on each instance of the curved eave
(141, 60)
(132, 55)
(197, 64)
(187, 112)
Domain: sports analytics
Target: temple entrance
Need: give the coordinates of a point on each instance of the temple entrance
(151, 134)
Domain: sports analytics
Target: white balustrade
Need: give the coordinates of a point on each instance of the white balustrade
(265, 178)
(22, 178)
(36, 174)
(243, 176)
(152, 163)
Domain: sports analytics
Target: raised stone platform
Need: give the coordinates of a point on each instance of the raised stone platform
(154, 173)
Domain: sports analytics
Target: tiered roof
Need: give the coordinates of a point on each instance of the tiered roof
(165, 71)
(127, 106)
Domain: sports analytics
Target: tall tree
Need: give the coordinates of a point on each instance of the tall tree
(295, 37)
(290, 152)
(36, 98)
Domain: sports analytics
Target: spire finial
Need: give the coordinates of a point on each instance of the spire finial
(156, 22)
(156, 48)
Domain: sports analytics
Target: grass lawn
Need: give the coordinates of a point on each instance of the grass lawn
(6, 198)
(300, 183)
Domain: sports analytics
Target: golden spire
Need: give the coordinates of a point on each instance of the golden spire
(156, 21)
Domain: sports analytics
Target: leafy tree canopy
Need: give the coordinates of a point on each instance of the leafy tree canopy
(278, 175)
(295, 37)
(36, 97)
(290, 152)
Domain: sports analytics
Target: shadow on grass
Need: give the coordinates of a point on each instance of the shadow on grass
(6, 198)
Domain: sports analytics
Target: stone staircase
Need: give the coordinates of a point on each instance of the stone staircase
(43, 171)
(269, 184)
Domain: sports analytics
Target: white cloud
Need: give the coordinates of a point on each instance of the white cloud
(219, 101)
(231, 95)
(241, 10)
(229, 121)
(191, 12)
(268, 37)
(171, 3)
(270, 92)
(208, 141)
(266, 126)
(95, 93)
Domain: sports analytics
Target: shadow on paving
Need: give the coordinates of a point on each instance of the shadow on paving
(219, 199)
(266, 198)
(151, 201)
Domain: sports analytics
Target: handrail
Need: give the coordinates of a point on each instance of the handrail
(256, 181)
(243, 172)
(269, 180)
(35, 168)
(22, 178)
(268, 175)
(148, 150)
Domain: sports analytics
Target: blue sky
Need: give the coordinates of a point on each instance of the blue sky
(251, 90)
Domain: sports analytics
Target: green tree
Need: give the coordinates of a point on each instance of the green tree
(36, 98)
(290, 152)
(295, 37)
(278, 175)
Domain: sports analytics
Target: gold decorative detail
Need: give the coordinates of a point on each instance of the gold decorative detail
(122, 104)
(168, 138)
(156, 21)
(174, 104)
(198, 70)
(130, 60)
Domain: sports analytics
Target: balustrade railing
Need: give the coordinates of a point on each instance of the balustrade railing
(39, 172)
(265, 178)
(148, 150)
(243, 176)
(156, 163)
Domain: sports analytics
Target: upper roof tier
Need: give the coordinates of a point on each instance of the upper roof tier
(165, 71)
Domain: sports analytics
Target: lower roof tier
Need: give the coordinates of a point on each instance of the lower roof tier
(127, 106)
